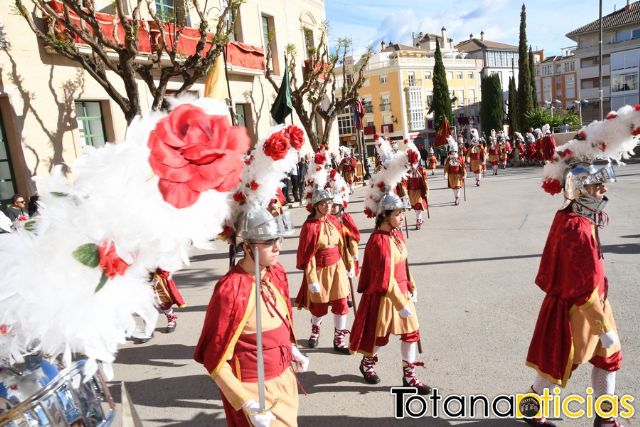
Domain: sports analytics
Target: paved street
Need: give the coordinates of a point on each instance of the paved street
(474, 264)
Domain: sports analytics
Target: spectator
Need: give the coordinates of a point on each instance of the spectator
(303, 167)
(18, 209)
(334, 161)
(293, 174)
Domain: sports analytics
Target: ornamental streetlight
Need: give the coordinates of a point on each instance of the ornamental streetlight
(579, 103)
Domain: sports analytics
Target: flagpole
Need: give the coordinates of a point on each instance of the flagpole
(234, 119)
(260, 356)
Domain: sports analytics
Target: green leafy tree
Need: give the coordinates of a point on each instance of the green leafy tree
(532, 71)
(524, 74)
(441, 104)
(491, 111)
(513, 105)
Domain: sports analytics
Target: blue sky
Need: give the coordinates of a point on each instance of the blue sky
(369, 21)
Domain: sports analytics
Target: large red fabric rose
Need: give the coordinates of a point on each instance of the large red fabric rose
(296, 136)
(277, 146)
(193, 152)
(110, 263)
(319, 158)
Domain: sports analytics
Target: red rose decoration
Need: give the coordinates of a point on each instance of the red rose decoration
(375, 136)
(22, 218)
(254, 185)
(248, 160)
(308, 195)
(551, 186)
(381, 185)
(636, 131)
(277, 146)
(344, 204)
(4, 329)
(333, 173)
(309, 207)
(581, 136)
(193, 152)
(602, 146)
(369, 213)
(413, 157)
(295, 135)
(318, 168)
(110, 263)
(636, 107)
(611, 115)
(319, 158)
(239, 197)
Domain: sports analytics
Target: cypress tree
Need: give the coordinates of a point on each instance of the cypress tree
(524, 74)
(491, 111)
(441, 104)
(513, 105)
(532, 70)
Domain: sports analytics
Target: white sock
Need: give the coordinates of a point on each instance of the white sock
(375, 349)
(495, 168)
(456, 193)
(316, 320)
(408, 350)
(540, 383)
(418, 215)
(603, 382)
(340, 321)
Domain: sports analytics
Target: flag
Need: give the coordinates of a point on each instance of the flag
(282, 106)
(358, 114)
(215, 84)
(443, 133)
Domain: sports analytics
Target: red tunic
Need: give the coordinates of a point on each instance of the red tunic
(570, 269)
(373, 284)
(307, 246)
(548, 147)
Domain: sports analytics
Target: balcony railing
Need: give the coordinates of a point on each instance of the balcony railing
(369, 130)
(385, 106)
(368, 108)
(412, 82)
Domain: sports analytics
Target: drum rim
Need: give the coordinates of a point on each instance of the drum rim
(48, 390)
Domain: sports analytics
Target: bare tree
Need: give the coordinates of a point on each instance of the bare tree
(316, 97)
(99, 52)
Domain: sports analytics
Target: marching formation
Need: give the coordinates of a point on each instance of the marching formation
(247, 343)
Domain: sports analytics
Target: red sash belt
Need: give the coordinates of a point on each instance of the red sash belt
(414, 183)
(454, 169)
(475, 156)
(328, 256)
(400, 275)
(277, 354)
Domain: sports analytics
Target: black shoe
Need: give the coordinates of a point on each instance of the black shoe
(369, 377)
(423, 389)
(341, 350)
(313, 342)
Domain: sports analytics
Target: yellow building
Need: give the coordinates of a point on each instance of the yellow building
(50, 108)
(398, 90)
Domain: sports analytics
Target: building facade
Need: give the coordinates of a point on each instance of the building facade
(557, 82)
(50, 108)
(398, 91)
(620, 61)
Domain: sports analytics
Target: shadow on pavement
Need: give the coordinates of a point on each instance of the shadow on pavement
(195, 277)
(625, 249)
(177, 392)
(458, 261)
(155, 355)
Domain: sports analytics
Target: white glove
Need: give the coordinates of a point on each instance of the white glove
(405, 312)
(300, 360)
(609, 339)
(314, 287)
(355, 257)
(351, 274)
(258, 420)
(414, 295)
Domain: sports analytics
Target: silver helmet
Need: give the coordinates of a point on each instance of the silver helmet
(320, 194)
(582, 174)
(337, 199)
(390, 202)
(256, 223)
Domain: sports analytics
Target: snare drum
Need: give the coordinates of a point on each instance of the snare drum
(65, 399)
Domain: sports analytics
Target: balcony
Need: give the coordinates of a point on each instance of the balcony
(412, 83)
(369, 130)
(388, 128)
(592, 72)
(241, 58)
(594, 93)
(385, 106)
(368, 108)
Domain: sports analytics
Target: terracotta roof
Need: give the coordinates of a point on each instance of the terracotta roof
(624, 16)
(551, 59)
(473, 45)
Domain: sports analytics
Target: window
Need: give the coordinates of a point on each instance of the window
(570, 86)
(470, 75)
(309, 46)
(461, 97)
(622, 36)
(472, 96)
(624, 82)
(7, 182)
(459, 75)
(173, 10)
(345, 124)
(385, 105)
(411, 78)
(449, 75)
(368, 106)
(233, 24)
(383, 79)
(558, 68)
(429, 97)
(241, 115)
(269, 41)
(90, 123)
(427, 75)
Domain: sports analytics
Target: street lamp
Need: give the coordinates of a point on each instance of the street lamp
(579, 103)
(551, 107)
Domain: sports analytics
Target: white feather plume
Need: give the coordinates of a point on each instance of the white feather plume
(393, 170)
(338, 186)
(316, 177)
(48, 298)
(611, 139)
